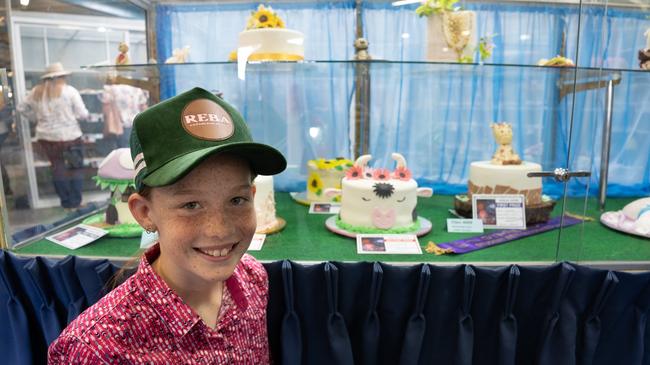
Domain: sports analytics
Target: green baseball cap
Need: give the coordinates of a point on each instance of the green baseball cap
(173, 136)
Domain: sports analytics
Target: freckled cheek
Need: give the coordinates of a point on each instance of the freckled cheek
(245, 221)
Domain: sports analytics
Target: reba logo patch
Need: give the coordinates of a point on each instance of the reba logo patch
(205, 119)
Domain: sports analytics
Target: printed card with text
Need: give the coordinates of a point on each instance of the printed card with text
(77, 236)
(324, 208)
(257, 243)
(500, 211)
(388, 244)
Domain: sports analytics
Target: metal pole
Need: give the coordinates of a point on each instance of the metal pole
(607, 140)
(4, 216)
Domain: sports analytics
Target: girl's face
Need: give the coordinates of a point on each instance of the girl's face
(205, 221)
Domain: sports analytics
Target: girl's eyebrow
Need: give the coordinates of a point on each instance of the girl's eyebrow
(189, 191)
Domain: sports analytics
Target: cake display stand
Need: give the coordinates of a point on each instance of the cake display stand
(538, 213)
(117, 230)
(620, 222)
(279, 225)
(330, 223)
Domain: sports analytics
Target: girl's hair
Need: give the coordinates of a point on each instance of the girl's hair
(49, 89)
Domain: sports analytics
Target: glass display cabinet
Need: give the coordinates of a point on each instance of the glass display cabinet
(565, 76)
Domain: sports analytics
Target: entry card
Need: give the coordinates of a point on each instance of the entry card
(257, 242)
(388, 244)
(324, 208)
(77, 236)
(464, 225)
(500, 211)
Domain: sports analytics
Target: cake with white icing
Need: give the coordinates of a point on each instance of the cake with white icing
(324, 174)
(266, 39)
(264, 201)
(505, 173)
(379, 200)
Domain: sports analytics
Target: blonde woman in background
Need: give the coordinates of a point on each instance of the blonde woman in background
(56, 108)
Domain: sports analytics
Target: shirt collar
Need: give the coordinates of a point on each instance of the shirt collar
(179, 316)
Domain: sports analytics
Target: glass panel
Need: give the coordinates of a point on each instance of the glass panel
(610, 134)
(410, 99)
(39, 200)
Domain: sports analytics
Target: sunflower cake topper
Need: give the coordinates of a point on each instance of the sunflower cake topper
(264, 17)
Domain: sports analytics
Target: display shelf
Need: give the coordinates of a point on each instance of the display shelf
(306, 239)
(140, 68)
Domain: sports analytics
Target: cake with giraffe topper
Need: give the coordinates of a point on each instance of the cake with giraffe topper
(506, 173)
(379, 200)
(266, 39)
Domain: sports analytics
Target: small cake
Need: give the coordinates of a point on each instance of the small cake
(267, 221)
(266, 39)
(505, 173)
(116, 173)
(323, 174)
(379, 200)
(451, 36)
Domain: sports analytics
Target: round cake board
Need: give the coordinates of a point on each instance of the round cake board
(300, 198)
(620, 222)
(119, 230)
(279, 225)
(330, 223)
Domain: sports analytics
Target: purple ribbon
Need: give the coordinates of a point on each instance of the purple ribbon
(498, 237)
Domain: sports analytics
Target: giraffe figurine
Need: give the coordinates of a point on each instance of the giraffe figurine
(505, 154)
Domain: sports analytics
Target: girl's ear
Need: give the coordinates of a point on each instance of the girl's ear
(140, 207)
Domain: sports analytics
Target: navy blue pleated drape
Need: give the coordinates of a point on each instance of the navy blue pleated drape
(375, 313)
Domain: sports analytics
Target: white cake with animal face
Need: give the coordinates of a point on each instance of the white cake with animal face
(266, 39)
(379, 200)
(264, 202)
(505, 173)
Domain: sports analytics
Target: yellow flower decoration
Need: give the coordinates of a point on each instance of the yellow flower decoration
(335, 163)
(315, 184)
(264, 18)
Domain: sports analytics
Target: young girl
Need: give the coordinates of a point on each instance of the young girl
(196, 297)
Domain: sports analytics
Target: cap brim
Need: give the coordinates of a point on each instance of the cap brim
(263, 159)
(55, 74)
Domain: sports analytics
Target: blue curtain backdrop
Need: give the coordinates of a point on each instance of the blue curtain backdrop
(437, 116)
(301, 109)
(374, 313)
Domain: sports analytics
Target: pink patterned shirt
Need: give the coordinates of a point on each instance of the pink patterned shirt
(143, 321)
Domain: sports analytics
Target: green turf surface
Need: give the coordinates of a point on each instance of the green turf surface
(306, 238)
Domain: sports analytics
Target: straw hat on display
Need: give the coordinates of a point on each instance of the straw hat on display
(54, 70)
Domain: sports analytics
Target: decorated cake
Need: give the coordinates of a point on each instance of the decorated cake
(506, 173)
(116, 173)
(634, 218)
(451, 32)
(266, 39)
(644, 54)
(267, 221)
(324, 174)
(379, 200)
